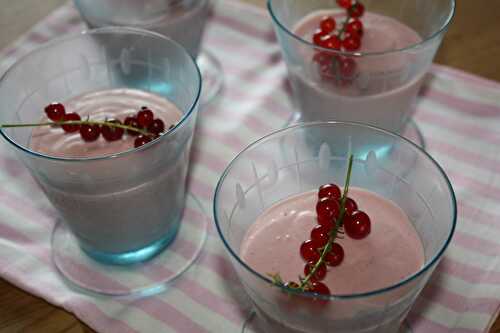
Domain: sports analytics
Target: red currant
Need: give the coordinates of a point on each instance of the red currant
(156, 127)
(331, 42)
(329, 191)
(55, 111)
(347, 67)
(318, 37)
(327, 210)
(319, 274)
(327, 24)
(351, 43)
(344, 3)
(132, 122)
(90, 133)
(145, 117)
(355, 26)
(111, 133)
(335, 256)
(319, 288)
(350, 206)
(309, 251)
(71, 117)
(320, 234)
(358, 226)
(356, 10)
(323, 58)
(325, 71)
(141, 140)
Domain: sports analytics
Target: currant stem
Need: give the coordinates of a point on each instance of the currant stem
(333, 235)
(346, 21)
(79, 122)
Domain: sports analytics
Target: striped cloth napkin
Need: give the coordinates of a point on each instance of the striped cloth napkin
(457, 112)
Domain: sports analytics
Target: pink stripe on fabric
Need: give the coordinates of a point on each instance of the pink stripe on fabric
(13, 167)
(458, 303)
(94, 317)
(203, 296)
(208, 159)
(253, 61)
(478, 187)
(63, 27)
(461, 126)
(37, 37)
(420, 324)
(235, 143)
(476, 214)
(168, 314)
(219, 265)
(466, 77)
(467, 273)
(24, 207)
(43, 253)
(200, 189)
(194, 218)
(477, 159)
(244, 28)
(476, 243)
(14, 235)
(468, 107)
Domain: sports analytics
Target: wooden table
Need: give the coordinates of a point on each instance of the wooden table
(471, 44)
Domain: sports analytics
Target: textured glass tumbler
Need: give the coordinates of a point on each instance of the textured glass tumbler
(303, 157)
(182, 20)
(122, 208)
(380, 88)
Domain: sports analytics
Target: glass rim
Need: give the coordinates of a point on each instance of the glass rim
(106, 30)
(433, 36)
(153, 20)
(370, 293)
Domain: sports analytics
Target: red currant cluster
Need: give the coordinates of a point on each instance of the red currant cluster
(143, 125)
(346, 38)
(355, 223)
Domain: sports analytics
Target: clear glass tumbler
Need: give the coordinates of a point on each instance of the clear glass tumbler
(303, 157)
(123, 208)
(182, 20)
(377, 88)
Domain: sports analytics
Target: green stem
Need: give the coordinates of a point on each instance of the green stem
(79, 122)
(346, 21)
(335, 230)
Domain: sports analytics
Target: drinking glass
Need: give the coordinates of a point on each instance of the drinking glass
(377, 88)
(182, 20)
(303, 157)
(118, 210)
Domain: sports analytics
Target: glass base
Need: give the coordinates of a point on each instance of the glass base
(251, 325)
(133, 257)
(212, 76)
(82, 272)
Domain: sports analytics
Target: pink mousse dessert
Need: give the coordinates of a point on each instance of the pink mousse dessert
(182, 20)
(389, 253)
(134, 201)
(382, 87)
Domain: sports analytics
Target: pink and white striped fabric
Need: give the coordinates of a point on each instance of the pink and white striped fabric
(458, 113)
